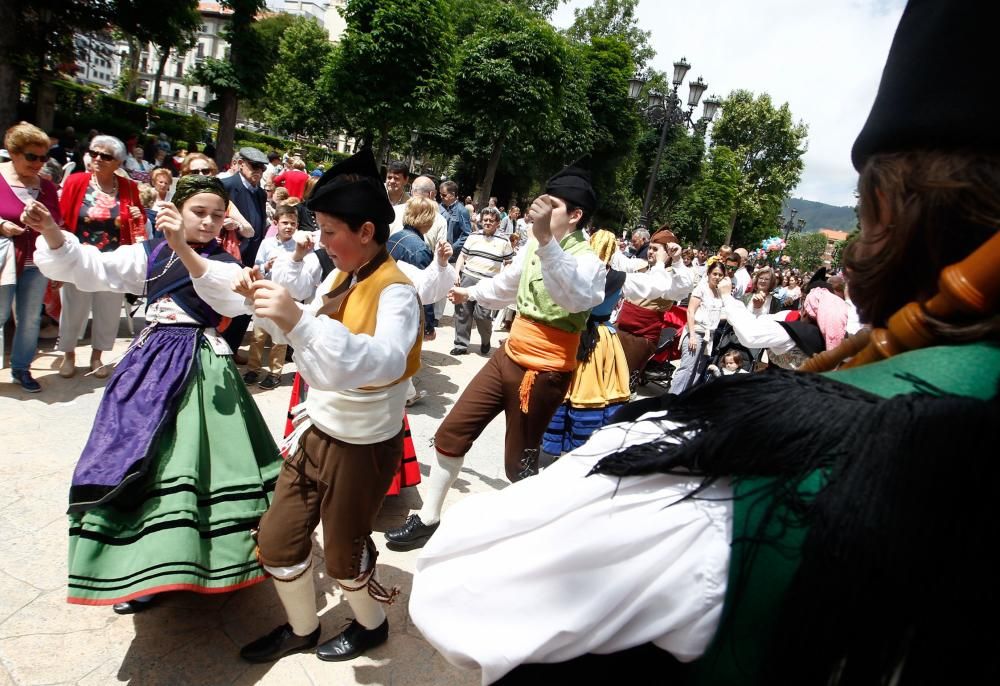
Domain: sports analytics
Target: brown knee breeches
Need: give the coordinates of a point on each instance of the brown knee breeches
(330, 481)
(495, 389)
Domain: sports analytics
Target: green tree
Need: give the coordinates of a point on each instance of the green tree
(806, 250)
(175, 30)
(390, 67)
(702, 215)
(840, 246)
(614, 119)
(36, 46)
(613, 18)
(512, 69)
(241, 76)
(293, 103)
(769, 146)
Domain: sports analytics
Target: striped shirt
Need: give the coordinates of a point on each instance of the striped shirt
(485, 255)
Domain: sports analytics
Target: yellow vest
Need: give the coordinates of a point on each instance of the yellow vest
(356, 307)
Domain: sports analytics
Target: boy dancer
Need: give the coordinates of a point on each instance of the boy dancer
(356, 352)
(555, 280)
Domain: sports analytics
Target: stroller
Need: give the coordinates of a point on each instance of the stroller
(724, 341)
(658, 368)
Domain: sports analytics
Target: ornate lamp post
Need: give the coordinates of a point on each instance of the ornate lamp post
(667, 112)
(791, 224)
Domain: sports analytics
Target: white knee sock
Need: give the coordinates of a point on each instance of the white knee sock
(366, 609)
(442, 476)
(298, 597)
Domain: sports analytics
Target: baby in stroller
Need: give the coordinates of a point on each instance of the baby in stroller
(733, 362)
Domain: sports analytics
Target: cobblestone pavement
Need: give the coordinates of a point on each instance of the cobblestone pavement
(189, 639)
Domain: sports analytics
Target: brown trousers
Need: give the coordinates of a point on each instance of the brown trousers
(496, 389)
(337, 483)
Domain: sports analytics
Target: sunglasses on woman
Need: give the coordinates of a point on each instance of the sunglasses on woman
(106, 156)
(205, 171)
(32, 157)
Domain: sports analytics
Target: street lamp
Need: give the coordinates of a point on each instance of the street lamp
(414, 137)
(666, 111)
(791, 225)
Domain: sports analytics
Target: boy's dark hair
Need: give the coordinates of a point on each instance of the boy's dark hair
(283, 210)
(397, 167)
(584, 220)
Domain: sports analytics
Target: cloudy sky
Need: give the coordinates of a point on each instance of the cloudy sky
(824, 58)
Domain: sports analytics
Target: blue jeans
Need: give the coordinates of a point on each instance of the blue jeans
(28, 294)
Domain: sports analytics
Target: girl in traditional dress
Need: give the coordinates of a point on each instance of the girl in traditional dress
(179, 466)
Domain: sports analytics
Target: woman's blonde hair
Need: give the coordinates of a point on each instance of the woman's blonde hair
(160, 171)
(23, 134)
(420, 213)
(280, 194)
(147, 195)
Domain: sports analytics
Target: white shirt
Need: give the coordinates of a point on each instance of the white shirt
(762, 331)
(302, 278)
(575, 283)
(706, 317)
(121, 271)
(623, 263)
(338, 364)
(270, 247)
(659, 282)
(563, 564)
(741, 281)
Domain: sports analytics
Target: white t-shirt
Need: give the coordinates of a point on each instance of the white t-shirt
(706, 317)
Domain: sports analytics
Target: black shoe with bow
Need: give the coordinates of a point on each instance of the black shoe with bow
(413, 534)
(353, 641)
(277, 644)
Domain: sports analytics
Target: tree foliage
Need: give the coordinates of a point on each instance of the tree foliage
(511, 79)
(805, 250)
(702, 215)
(243, 75)
(292, 101)
(391, 65)
(769, 147)
(613, 18)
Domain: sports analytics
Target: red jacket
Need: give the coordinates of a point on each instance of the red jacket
(74, 188)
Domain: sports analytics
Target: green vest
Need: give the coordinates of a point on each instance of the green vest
(738, 649)
(533, 299)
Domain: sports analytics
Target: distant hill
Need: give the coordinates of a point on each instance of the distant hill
(819, 215)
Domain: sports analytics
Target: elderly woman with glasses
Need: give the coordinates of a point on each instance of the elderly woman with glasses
(20, 280)
(103, 209)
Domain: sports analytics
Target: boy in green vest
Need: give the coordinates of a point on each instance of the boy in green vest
(788, 527)
(555, 281)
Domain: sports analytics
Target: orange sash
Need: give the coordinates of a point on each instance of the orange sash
(540, 348)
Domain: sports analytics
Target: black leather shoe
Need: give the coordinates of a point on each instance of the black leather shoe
(485, 348)
(353, 641)
(459, 351)
(277, 644)
(413, 534)
(131, 607)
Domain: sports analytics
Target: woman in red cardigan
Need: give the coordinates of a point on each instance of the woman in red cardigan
(103, 209)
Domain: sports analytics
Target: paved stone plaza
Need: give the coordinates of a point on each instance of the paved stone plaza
(188, 639)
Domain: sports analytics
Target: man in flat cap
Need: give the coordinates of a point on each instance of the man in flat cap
(555, 281)
(251, 200)
(356, 347)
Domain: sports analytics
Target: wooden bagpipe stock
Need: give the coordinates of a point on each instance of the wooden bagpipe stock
(966, 290)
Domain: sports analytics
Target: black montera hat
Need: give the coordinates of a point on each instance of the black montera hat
(935, 92)
(573, 184)
(353, 188)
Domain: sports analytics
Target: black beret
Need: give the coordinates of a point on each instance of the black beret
(353, 188)
(935, 92)
(573, 185)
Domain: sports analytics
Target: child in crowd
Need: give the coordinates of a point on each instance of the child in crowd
(271, 249)
(732, 363)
